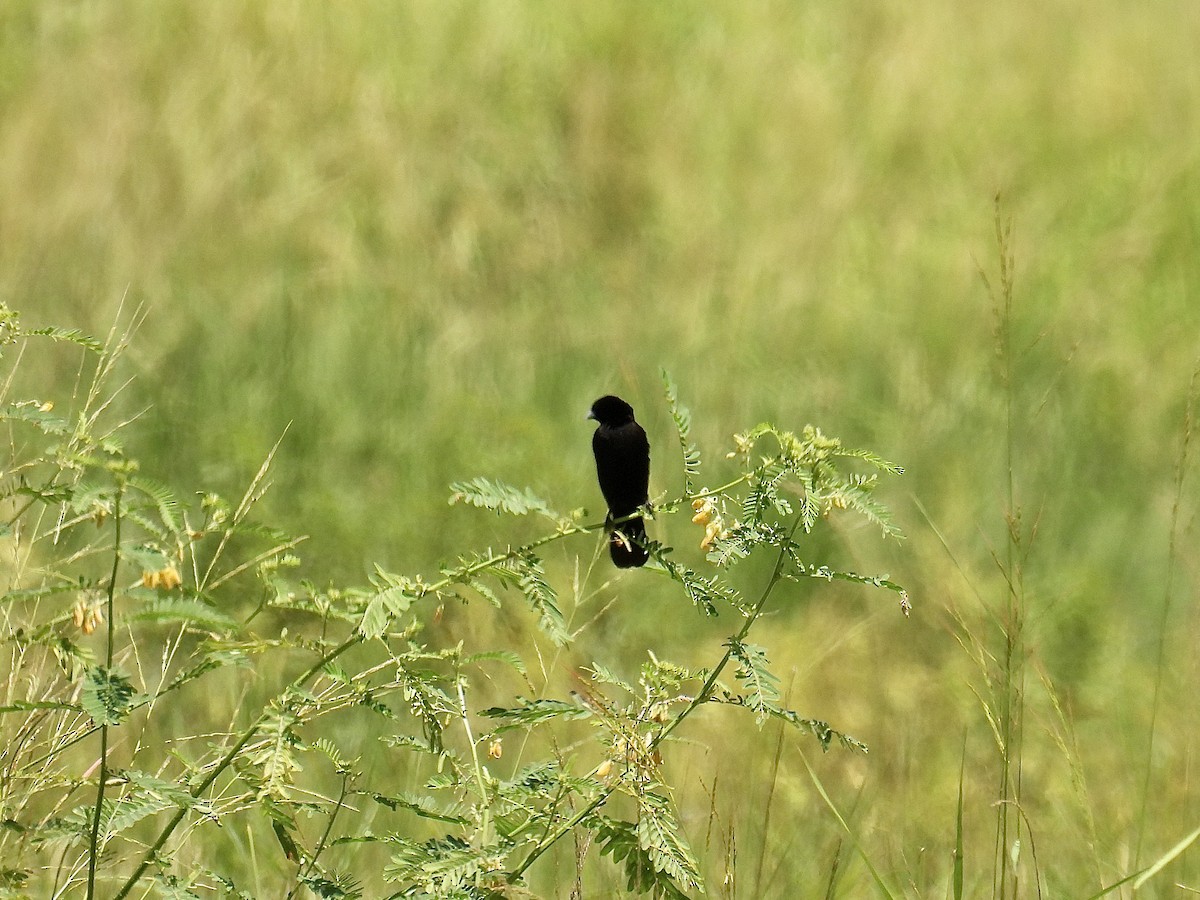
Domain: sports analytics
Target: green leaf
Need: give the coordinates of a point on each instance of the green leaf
(388, 603)
(820, 730)
(107, 695)
(739, 542)
(276, 759)
(762, 685)
(339, 887)
(287, 843)
(855, 494)
(443, 867)
(877, 461)
(148, 559)
(23, 594)
(164, 501)
(620, 840)
(647, 868)
(880, 581)
(508, 657)
(484, 591)
(706, 593)
(604, 675)
(166, 610)
(425, 807)
(763, 495)
(542, 599)
(72, 335)
(149, 795)
(428, 702)
(501, 497)
(12, 882)
(32, 705)
(683, 428)
(36, 414)
(533, 712)
(661, 836)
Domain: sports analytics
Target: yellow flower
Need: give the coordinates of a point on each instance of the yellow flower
(166, 579)
(88, 613)
(169, 578)
(708, 514)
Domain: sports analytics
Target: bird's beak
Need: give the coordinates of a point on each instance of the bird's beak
(590, 415)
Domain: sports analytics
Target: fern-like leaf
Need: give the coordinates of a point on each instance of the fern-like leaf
(706, 593)
(761, 684)
(683, 429)
(107, 695)
(277, 758)
(621, 841)
(508, 657)
(763, 495)
(443, 867)
(150, 795)
(542, 599)
(873, 459)
(38, 415)
(500, 497)
(388, 603)
(828, 574)
(169, 610)
(422, 806)
(164, 501)
(661, 836)
(71, 335)
(533, 712)
(855, 495)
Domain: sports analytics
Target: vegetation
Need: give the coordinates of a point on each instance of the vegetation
(364, 651)
(395, 250)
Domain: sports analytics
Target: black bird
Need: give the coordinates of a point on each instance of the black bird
(623, 469)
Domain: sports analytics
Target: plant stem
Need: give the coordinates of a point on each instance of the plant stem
(486, 825)
(94, 843)
(1006, 874)
(321, 844)
(1165, 613)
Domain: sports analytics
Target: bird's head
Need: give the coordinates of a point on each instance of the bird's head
(611, 410)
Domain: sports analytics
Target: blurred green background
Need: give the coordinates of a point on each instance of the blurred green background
(428, 235)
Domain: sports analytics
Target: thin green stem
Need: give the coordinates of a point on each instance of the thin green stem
(94, 842)
(1165, 613)
(480, 780)
(1005, 875)
(323, 842)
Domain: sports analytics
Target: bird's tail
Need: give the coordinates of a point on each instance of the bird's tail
(627, 544)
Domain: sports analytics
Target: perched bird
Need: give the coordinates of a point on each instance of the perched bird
(623, 469)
